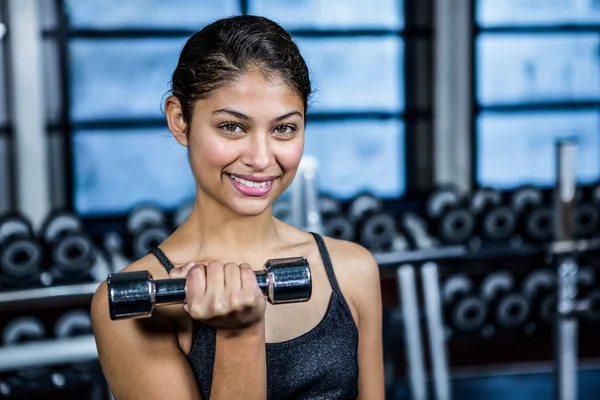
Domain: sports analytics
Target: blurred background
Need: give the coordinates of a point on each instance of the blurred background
(434, 127)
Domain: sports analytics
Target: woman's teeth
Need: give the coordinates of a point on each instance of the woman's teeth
(250, 183)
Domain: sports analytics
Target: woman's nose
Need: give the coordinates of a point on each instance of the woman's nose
(258, 154)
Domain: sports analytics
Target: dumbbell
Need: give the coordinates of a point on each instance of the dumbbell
(378, 232)
(539, 287)
(136, 294)
(465, 310)
(449, 219)
(587, 215)
(147, 227)
(415, 230)
(73, 323)
(71, 253)
(509, 308)
(535, 219)
(495, 221)
(22, 330)
(21, 255)
(335, 223)
(363, 204)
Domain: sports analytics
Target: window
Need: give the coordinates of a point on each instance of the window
(537, 67)
(120, 60)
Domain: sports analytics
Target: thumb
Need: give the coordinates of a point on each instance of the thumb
(181, 272)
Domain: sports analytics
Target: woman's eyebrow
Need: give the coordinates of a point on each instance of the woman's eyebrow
(245, 117)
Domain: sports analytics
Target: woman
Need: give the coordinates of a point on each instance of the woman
(239, 100)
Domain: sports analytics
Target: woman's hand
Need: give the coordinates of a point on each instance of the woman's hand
(224, 296)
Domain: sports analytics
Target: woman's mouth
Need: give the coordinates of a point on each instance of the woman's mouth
(252, 186)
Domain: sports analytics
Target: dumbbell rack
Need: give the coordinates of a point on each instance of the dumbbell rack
(51, 352)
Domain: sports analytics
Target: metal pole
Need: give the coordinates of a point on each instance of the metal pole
(305, 196)
(30, 141)
(412, 331)
(566, 322)
(48, 352)
(435, 328)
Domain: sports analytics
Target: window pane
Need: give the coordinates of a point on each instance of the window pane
(332, 14)
(159, 14)
(537, 12)
(355, 74)
(121, 78)
(514, 68)
(357, 156)
(116, 170)
(526, 141)
(3, 84)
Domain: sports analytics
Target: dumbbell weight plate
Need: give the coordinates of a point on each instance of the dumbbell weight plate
(484, 198)
(328, 205)
(525, 196)
(148, 238)
(469, 314)
(145, 214)
(362, 204)
(459, 283)
(74, 253)
(540, 223)
(377, 231)
(512, 310)
(25, 329)
(439, 200)
(75, 323)
(499, 223)
(339, 227)
(456, 226)
(58, 222)
(14, 224)
(586, 220)
(495, 283)
(21, 258)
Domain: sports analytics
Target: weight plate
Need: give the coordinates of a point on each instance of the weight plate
(143, 215)
(59, 222)
(21, 258)
(14, 224)
(495, 283)
(484, 198)
(439, 200)
(526, 196)
(499, 223)
(362, 204)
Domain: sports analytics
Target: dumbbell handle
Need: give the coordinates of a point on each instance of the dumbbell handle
(135, 294)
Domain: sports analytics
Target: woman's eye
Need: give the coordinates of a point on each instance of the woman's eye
(285, 129)
(231, 128)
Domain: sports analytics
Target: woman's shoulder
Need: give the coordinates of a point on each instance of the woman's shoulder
(350, 258)
(357, 273)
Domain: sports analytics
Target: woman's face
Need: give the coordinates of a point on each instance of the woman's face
(246, 141)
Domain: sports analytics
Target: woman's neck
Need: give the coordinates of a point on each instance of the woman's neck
(213, 230)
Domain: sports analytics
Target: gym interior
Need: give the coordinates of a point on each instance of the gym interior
(458, 141)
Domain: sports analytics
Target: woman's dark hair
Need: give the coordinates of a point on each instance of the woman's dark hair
(225, 49)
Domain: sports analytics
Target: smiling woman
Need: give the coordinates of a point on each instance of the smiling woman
(239, 100)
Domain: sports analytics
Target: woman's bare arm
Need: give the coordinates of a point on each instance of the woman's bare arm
(141, 358)
(370, 348)
(358, 275)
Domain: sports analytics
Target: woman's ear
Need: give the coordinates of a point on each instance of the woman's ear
(175, 120)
